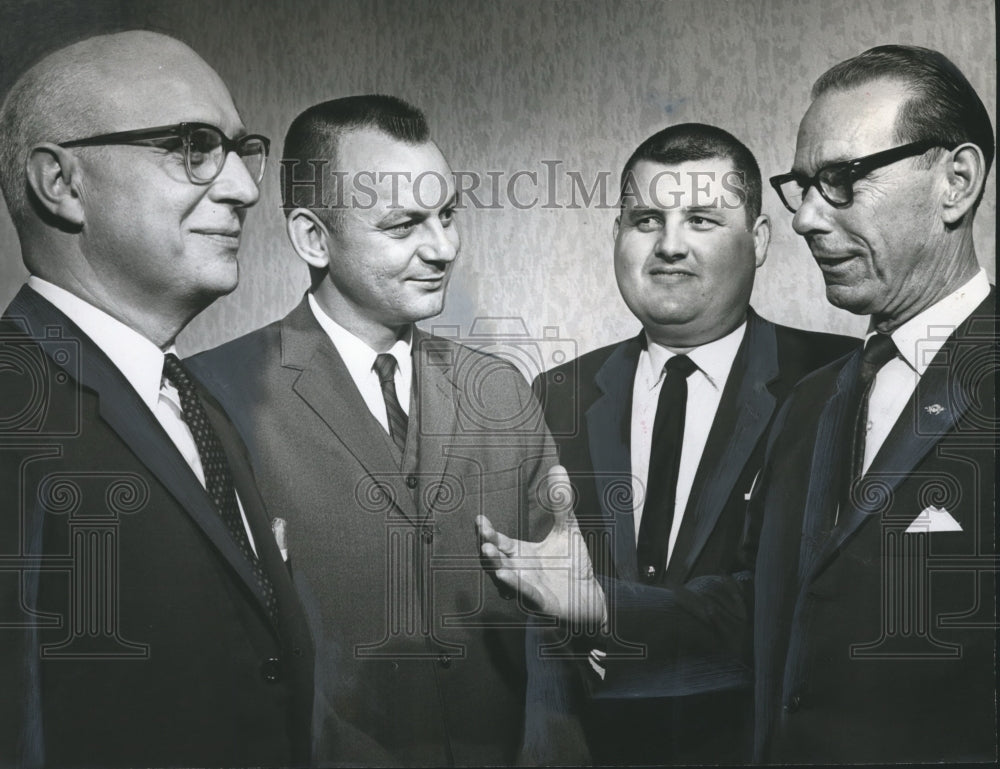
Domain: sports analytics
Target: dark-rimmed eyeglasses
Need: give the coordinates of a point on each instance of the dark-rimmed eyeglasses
(204, 147)
(835, 182)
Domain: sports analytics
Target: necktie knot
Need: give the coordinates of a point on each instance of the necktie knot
(175, 373)
(879, 350)
(680, 364)
(385, 367)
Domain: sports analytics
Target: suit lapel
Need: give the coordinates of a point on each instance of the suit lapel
(433, 414)
(937, 405)
(825, 478)
(125, 413)
(744, 411)
(326, 386)
(608, 426)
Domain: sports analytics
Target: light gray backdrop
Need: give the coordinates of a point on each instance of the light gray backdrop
(509, 84)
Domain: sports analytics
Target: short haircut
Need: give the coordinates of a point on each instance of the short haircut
(699, 141)
(943, 105)
(316, 133)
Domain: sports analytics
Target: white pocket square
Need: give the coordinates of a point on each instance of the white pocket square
(933, 519)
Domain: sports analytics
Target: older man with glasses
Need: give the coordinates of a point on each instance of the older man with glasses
(146, 616)
(875, 634)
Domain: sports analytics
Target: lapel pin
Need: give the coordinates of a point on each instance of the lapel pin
(934, 409)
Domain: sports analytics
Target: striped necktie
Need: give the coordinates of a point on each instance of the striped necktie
(385, 367)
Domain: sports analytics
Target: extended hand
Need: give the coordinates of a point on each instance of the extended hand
(554, 576)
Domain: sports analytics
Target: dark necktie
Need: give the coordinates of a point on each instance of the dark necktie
(664, 465)
(218, 476)
(385, 367)
(879, 350)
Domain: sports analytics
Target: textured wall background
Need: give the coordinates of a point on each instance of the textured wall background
(509, 84)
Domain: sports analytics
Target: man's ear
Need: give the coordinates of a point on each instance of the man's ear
(309, 236)
(965, 176)
(618, 224)
(761, 238)
(53, 174)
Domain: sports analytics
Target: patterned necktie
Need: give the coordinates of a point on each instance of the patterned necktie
(385, 367)
(664, 465)
(218, 476)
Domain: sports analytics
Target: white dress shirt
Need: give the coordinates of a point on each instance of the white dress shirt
(360, 361)
(141, 363)
(704, 386)
(917, 341)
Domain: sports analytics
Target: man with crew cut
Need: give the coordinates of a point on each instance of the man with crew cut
(380, 444)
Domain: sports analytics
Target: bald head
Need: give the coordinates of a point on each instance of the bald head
(122, 224)
(98, 85)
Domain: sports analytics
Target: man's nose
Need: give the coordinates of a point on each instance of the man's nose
(442, 243)
(811, 215)
(234, 183)
(672, 243)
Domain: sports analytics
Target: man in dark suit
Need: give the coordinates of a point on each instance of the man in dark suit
(380, 444)
(876, 572)
(146, 617)
(688, 240)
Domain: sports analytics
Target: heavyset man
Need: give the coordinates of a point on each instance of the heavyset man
(677, 414)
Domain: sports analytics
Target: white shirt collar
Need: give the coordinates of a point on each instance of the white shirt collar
(356, 354)
(714, 359)
(919, 339)
(139, 360)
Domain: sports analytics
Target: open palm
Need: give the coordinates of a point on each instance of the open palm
(554, 576)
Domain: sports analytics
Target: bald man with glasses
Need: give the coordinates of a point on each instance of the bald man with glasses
(146, 616)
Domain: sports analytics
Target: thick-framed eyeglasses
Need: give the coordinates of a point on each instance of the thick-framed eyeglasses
(204, 147)
(835, 182)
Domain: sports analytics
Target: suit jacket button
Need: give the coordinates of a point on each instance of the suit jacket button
(270, 670)
(411, 481)
(793, 704)
(445, 661)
